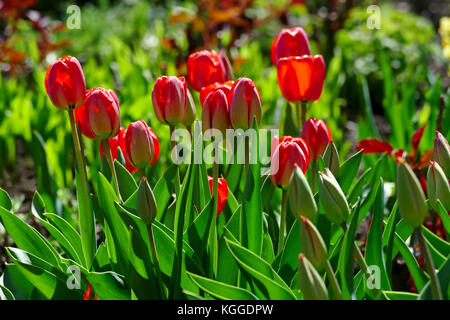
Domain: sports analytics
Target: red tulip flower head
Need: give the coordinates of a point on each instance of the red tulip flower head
(222, 194)
(289, 152)
(65, 83)
(207, 67)
(169, 98)
(301, 78)
(245, 104)
(215, 113)
(141, 145)
(317, 135)
(99, 116)
(290, 42)
(224, 86)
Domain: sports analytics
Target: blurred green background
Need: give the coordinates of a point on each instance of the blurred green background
(383, 83)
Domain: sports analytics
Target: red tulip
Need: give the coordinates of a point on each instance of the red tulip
(99, 116)
(229, 75)
(65, 84)
(289, 152)
(222, 194)
(224, 86)
(119, 142)
(141, 145)
(169, 99)
(317, 135)
(290, 42)
(215, 113)
(301, 78)
(245, 103)
(207, 67)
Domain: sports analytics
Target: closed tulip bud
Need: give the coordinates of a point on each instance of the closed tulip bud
(301, 78)
(437, 186)
(99, 116)
(141, 145)
(333, 199)
(224, 86)
(169, 99)
(301, 198)
(204, 68)
(410, 196)
(331, 159)
(441, 153)
(311, 283)
(290, 42)
(117, 146)
(289, 153)
(146, 203)
(222, 192)
(65, 84)
(245, 104)
(189, 112)
(215, 114)
(317, 136)
(312, 244)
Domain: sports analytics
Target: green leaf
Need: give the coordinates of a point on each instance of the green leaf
(221, 290)
(5, 200)
(28, 238)
(267, 283)
(439, 208)
(443, 275)
(349, 170)
(37, 205)
(108, 286)
(5, 294)
(197, 233)
(127, 184)
(289, 127)
(13, 279)
(374, 252)
(289, 256)
(398, 295)
(388, 239)
(442, 246)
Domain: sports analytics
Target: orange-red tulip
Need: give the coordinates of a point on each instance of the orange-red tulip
(301, 78)
(114, 144)
(290, 42)
(207, 67)
(169, 98)
(317, 135)
(215, 113)
(224, 86)
(141, 145)
(222, 192)
(245, 104)
(65, 84)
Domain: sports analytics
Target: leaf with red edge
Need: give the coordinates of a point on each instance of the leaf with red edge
(374, 146)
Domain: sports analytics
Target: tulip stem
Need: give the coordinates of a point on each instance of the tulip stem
(173, 146)
(86, 217)
(313, 175)
(213, 231)
(151, 240)
(282, 221)
(332, 278)
(107, 150)
(303, 114)
(435, 286)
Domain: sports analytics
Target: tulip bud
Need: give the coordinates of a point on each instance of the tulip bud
(290, 42)
(204, 68)
(317, 136)
(65, 84)
(301, 198)
(437, 186)
(332, 198)
(311, 283)
(169, 99)
(99, 116)
(146, 203)
(225, 87)
(189, 112)
(245, 104)
(331, 158)
(215, 112)
(313, 245)
(226, 64)
(222, 192)
(289, 153)
(441, 153)
(301, 78)
(117, 146)
(410, 196)
(141, 145)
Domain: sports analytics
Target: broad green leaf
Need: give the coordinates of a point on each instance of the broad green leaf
(221, 290)
(37, 205)
(398, 295)
(289, 256)
(108, 286)
(388, 240)
(127, 184)
(349, 170)
(5, 200)
(13, 279)
(5, 294)
(443, 275)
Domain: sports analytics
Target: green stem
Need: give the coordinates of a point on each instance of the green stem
(107, 151)
(303, 115)
(435, 286)
(172, 147)
(332, 278)
(282, 221)
(299, 121)
(313, 175)
(155, 260)
(86, 216)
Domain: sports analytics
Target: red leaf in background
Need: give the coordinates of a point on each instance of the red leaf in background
(87, 294)
(417, 136)
(374, 146)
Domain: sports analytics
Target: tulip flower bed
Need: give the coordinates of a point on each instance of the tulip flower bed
(242, 210)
